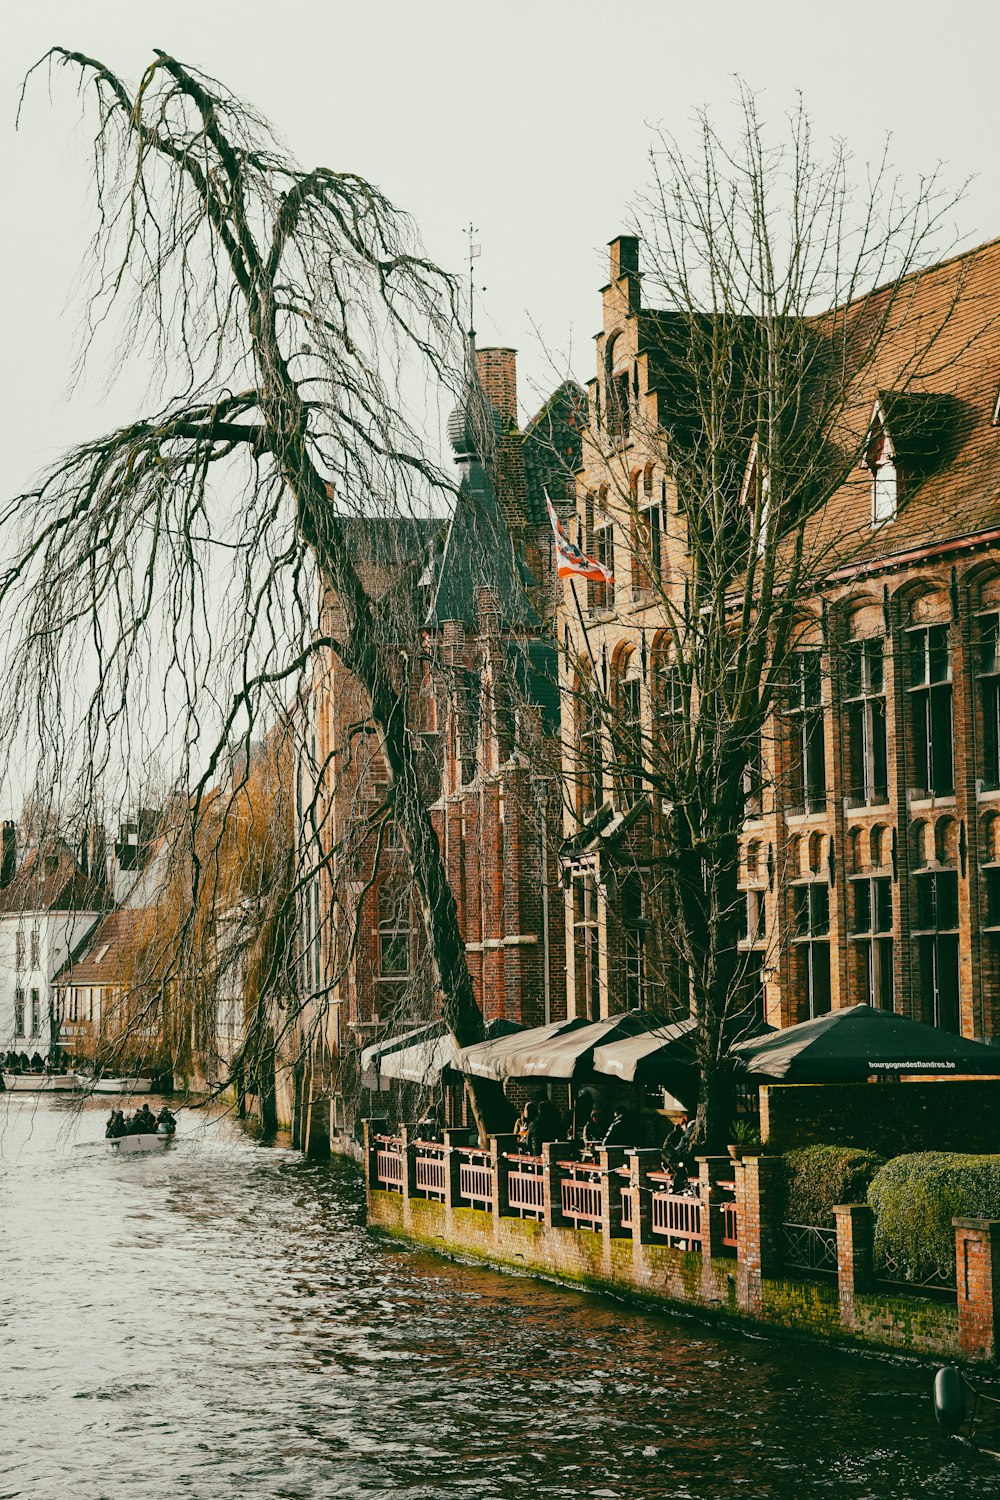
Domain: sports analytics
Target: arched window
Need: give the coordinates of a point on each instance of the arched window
(804, 712)
(617, 392)
(629, 738)
(668, 701)
(865, 713)
(880, 458)
(590, 752)
(929, 691)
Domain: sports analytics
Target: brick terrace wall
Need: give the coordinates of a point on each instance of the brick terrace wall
(952, 1115)
(751, 1289)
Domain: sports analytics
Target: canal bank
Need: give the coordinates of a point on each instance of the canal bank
(723, 1253)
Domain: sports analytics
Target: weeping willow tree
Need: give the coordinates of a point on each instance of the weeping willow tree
(291, 324)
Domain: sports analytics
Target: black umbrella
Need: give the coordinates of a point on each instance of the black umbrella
(849, 1045)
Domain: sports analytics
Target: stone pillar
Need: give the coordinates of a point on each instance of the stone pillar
(552, 1153)
(372, 1127)
(452, 1168)
(758, 1192)
(977, 1261)
(409, 1184)
(610, 1159)
(500, 1145)
(641, 1163)
(712, 1170)
(855, 1233)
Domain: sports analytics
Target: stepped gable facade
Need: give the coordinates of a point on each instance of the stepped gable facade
(871, 861)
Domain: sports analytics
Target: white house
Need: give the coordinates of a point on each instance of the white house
(47, 907)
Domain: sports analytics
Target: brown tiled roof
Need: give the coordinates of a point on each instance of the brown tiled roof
(941, 420)
(51, 882)
(116, 939)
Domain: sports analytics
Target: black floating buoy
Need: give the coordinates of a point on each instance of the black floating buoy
(949, 1399)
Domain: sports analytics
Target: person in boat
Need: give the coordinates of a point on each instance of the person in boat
(166, 1121)
(148, 1120)
(116, 1126)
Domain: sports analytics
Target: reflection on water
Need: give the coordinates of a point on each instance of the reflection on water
(215, 1322)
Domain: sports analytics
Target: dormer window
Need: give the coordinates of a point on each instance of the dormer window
(880, 460)
(756, 496)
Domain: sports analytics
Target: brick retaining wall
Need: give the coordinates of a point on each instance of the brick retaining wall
(751, 1287)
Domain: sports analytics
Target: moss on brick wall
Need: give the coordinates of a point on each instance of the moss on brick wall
(657, 1274)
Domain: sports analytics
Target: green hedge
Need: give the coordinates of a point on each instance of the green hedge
(915, 1199)
(817, 1178)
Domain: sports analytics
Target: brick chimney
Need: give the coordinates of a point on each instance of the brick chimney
(8, 852)
(497, 370)
(625, 267)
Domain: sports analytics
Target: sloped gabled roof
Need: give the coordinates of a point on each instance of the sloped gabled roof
(51, 882)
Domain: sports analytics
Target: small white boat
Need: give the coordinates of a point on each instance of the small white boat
(118, 1085)
(158, 1142)
(42, 1083)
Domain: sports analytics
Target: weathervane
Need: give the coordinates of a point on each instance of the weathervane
(475, 251)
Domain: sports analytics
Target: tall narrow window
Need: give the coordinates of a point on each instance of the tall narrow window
(586, 956)
(36, 947)
(884, 492)
(469, 711)
(935, 931)
(635, 925)
(871, 937)
(394, 933)
(811, 944)
(668, 705)
(617, 392)
(930, 710)
(590, 754)
(989, 693)
(18, 1011)
(864, 694)
(629, 738)
(20, 949)
(601, 593)
(36, 1012)
(807, 750)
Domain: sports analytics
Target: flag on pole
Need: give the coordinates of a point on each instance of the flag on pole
(571, 562)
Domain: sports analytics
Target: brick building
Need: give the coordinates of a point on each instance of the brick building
(871, 857)
(483, 703)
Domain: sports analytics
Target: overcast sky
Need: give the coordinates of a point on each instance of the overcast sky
(528, 117)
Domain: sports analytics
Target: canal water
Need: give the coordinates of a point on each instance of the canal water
(215, 1321)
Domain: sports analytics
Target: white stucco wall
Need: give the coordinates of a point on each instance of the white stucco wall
(58, 934)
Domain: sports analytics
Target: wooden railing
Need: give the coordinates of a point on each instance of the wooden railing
(525, 1186)
(430, 1170)
(390, 1164)
(627, 1200)
(676, 1216)
(475, 1176)
(729, 1226)
(582, 1194)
